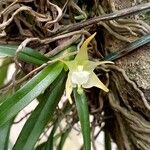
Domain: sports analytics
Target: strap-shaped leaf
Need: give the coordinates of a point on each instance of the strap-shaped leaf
(50, 142)
(28, 55)
(33, 88)
(107, 139)
(83, 113)
(4, 135)
(3, 75)
(49, 145)
(3, 69)
(128, 49)
(5, 129)
(40, 117)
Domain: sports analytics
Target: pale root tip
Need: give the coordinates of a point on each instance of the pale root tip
(70, 100)
(107, 90)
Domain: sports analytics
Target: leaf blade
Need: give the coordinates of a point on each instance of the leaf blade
(28, 55)
(39, 118)
(49, 145)
(4, 135)
(83, 113)
(3, 69)
(11, 106)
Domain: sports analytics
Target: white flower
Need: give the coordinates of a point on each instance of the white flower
(81, 73)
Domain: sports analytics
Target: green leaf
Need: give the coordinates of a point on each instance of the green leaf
(33, 88)
(50, 142)
(40, 117)
(83, 113)
(3, 69)
(3, 74)
(107, 139)
(6, 95)
(4, 135)
(129, 48)
(28, 55)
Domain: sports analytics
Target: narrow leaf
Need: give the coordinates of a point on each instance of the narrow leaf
(40, 117)
(33, 88)
(128, 49)
(83, 113)
(3, 69)
(107, 140)
(50, 142)
(28, 55)
(4, 135)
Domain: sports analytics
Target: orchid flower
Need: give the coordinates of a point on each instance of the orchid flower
(81, 71)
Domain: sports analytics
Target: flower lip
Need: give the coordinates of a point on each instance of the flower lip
(80, 76)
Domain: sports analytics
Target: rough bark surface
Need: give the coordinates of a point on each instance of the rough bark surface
(131, 127)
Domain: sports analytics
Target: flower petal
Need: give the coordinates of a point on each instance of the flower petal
(82, 54)
(91, 65)
(69, 89)
(94, 81)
